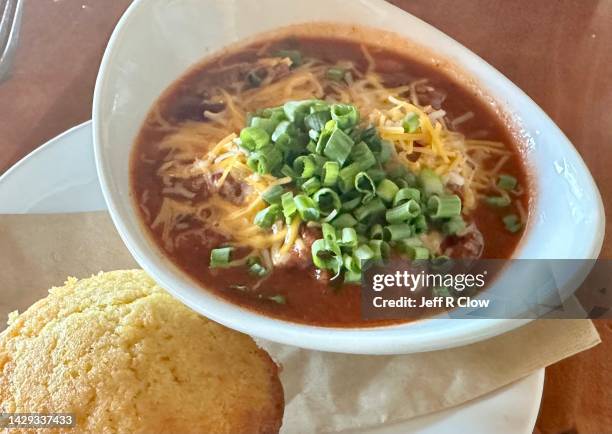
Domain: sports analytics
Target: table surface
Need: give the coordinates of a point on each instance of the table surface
(557, 51)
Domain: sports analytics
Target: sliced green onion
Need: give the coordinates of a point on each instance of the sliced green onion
(419, 224)
(311, 185)
(347, 175)
(275, 113)
(273, 194)
(284, 127)
(362, 230)
(344, 221)
(331, 170)
(406, 194)
(362, 155)
(363, 253)
(512, 222)
(441, 263)
(417, 253)
(289, 208)
(268, 125)
(312, 146)
(507, 182)
(444, 206)
(220, 258)
(348, 238)
(403, 245)
(338, 147)
(397, 232)
(317, 120)
(306, 207)
(351, 263)
(372, 138)
(411, 122)
(386, 151)
(345, 115)
(454, 225)
(376, 232)
(403, 212)
(497, 201)
(265, 160)
(304, 166)
(329, 232)
(430, 182)
(280, 299)
(387, 190)
(327, 255)
(365, 185)
(326, 133)
(257, 269)
(352, 277)
(381, 249)
(288, 171)
(377, 175)
(294, 55)
(335, 74)
(252, 138)
(327, 200)
(319, 161)
(351, 204)
(267, 216)
(295, 111)
(372, 208)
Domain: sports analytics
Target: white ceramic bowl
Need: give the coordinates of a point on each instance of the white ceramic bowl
(156, 41)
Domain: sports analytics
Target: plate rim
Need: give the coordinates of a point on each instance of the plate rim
(42, 148)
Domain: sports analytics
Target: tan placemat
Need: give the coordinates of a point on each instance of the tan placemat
(324, 392)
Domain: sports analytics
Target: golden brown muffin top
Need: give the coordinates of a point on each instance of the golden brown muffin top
(124, 356)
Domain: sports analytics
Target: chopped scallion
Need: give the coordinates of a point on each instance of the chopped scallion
(220, 258)
(403, 212)
(338, 146)
(267, 216)
(344, 220)
(345, 115)
(387, 190)
(507, 182)
(294, 55)
(273, 194)
(289, 208)
(397, 232)
(327, 200)
(372, 208)
(304, 166)
(497, 201)
(306, 207)
(411, 122)
(335, 74)
(444, 206)
(430, 182)
(406, 194)
(252, 138)
(513, 223)
(331, 170)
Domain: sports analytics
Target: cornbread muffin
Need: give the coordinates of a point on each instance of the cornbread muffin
(124, 356)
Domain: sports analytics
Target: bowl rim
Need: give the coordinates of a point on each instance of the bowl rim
(358, 340)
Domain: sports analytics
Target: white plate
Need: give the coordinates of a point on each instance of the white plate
(60, 176)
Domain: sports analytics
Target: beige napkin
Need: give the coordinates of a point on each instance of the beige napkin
(324, 392)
